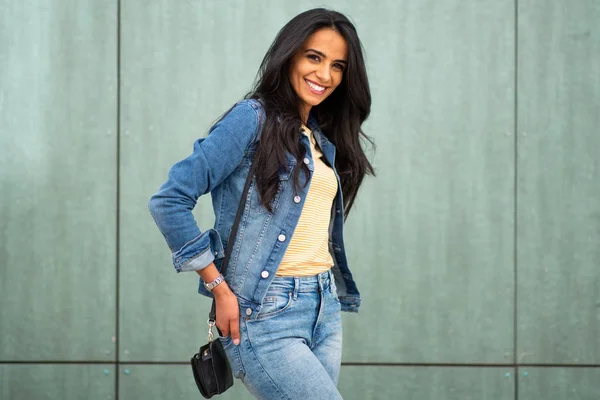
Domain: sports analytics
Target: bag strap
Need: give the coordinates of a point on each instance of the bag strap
(213, 310)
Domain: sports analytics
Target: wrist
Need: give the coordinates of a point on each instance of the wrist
(221, 290)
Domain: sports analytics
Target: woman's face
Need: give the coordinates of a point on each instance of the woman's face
(317, 68)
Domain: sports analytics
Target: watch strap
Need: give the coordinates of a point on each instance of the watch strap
(211, 285)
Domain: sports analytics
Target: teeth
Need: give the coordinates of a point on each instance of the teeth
(316, 87)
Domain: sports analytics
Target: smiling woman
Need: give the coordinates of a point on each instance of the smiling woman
(319, 47)
(294, 144)
(317, 68)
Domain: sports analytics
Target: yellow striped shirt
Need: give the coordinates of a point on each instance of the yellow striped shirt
(308, 252)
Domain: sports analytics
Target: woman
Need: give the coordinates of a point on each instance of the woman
(278, 307)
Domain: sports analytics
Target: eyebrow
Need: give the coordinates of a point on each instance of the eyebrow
(324, 56)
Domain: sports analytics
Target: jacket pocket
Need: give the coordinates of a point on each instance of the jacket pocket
(284, 184)
(285, 173)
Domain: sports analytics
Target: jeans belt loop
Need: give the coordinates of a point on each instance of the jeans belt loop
(296, 288)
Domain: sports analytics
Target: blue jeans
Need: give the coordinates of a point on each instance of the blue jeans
(293, 348)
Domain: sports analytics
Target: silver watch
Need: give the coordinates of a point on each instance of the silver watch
(211, 285)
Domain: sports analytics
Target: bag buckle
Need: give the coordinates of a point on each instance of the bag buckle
(210, 323)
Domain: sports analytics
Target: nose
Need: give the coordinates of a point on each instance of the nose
(323, 73)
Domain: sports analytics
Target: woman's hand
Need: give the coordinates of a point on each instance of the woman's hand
(228, 312)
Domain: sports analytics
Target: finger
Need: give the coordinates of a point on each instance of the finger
(235, 330)
(224, 330)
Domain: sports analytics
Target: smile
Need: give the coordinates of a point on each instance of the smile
(315, 88)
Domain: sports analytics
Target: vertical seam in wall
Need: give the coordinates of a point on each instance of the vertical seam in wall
(118, 216)
(516, 192)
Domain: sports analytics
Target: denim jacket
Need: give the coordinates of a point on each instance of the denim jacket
(220, 164)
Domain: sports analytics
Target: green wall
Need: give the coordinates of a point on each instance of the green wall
(476, 248)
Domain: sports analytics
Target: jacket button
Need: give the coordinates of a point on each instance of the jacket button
(264, 274)
(297, 199)
(281, 238)
(248, 311)
(306, 160)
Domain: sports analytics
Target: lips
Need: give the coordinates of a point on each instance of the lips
(315, 88)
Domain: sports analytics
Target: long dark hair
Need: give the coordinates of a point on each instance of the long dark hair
(340, 115)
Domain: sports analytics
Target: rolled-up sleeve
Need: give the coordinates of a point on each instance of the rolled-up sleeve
(214, 158)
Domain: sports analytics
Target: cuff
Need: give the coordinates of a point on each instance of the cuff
(350, 304)
(198, 253)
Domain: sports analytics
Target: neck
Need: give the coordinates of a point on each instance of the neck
(304, 111)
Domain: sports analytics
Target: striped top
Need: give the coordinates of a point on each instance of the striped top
(308, 252)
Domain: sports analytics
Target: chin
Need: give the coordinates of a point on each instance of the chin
(315, 102)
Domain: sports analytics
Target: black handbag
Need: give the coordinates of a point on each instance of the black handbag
(210, 366)
(211, 369)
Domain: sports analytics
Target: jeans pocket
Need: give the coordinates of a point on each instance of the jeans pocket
(233, 356)
(225, 340)
(275, 303)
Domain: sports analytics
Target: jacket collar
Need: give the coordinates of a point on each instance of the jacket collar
(313, 125)
(327, 148)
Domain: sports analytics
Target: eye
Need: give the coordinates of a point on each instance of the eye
(313, 57)
(339, 66)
